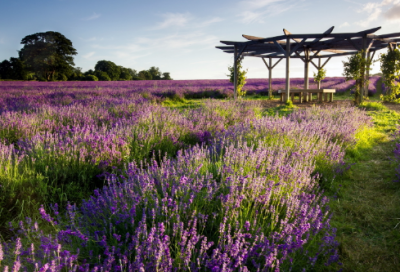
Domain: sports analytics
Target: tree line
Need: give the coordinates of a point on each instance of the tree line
(49, 56)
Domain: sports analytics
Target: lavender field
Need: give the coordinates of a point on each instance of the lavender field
(65, 91)
(99, 176)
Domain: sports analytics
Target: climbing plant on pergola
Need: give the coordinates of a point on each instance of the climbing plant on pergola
(309, 48)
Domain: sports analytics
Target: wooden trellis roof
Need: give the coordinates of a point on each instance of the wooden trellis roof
(323, 45)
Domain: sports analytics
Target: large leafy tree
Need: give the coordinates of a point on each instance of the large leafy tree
(112, 70)
(155, 73)
(125, 74)
(166, 76)
(13, 69)
(48, 54)
(145, 75)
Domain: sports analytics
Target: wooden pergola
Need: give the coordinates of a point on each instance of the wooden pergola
(308, 47)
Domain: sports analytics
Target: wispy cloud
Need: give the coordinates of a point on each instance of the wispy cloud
(92, 39)
(174, 19)
(256, 4)
(345, 24)
(92, 17)
(256, 10)
(88, 55)
(375, 9)
(184, 21)
(175, 43)
(209, 22)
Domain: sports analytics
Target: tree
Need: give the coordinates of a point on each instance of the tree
(48, 53)
(90, 78)
(112, 70)
(125, 74)
(155, 73)
(145, 75)
(355, 68)
(390, 67)
(319, 76)
(102, 76)
(13, 69)
(5, 69)
(76, 74)
(133, 73)
(241, 77)
(166, 76)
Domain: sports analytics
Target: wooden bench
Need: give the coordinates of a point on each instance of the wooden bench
(306, 94)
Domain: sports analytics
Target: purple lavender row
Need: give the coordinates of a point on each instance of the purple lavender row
(246, 201)
(30, 95)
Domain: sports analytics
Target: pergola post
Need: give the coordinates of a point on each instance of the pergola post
(364, 57)
(306, 67)
(235, 73)
(287, 69)
(270, 67)
(270, 79)
(319, 67)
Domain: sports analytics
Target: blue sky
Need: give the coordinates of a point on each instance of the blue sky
(180, 36)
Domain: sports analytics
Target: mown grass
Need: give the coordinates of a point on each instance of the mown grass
(365, 200)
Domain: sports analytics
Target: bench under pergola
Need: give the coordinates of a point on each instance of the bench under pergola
(307, 47)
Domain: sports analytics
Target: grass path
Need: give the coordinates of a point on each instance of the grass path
(367, 210)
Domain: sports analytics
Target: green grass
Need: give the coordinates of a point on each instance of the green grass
(366, 202)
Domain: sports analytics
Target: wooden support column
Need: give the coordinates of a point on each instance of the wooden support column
(235, 73)
(270, 78)
(270, 67)
(306, 67)
(364, 91)
(319, 67)
(287, 69)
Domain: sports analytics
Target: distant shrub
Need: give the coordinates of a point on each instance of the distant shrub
(62, 77)
(102, 76)
(90, 78)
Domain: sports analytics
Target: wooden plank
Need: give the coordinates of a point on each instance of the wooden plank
(266, 64)
(280, 48)
(276, 62)
(270, 78)
(252, 38)
(235, 74)
(298, 46)
(325, 62)
(287, 68)
(383, 36)
(306, 66)
(287, 33)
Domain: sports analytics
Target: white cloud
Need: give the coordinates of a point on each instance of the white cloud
(88, 55)
(184, 20)
(209, 22)
(92, 39)
(345, 24)
(393, 13)
(174, 19)
(256, 4)
(256, 10)
(375, 10)
(92, 17)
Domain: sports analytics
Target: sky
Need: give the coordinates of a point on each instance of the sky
(179, 36)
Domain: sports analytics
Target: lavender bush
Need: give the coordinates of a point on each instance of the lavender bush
(235, 192)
